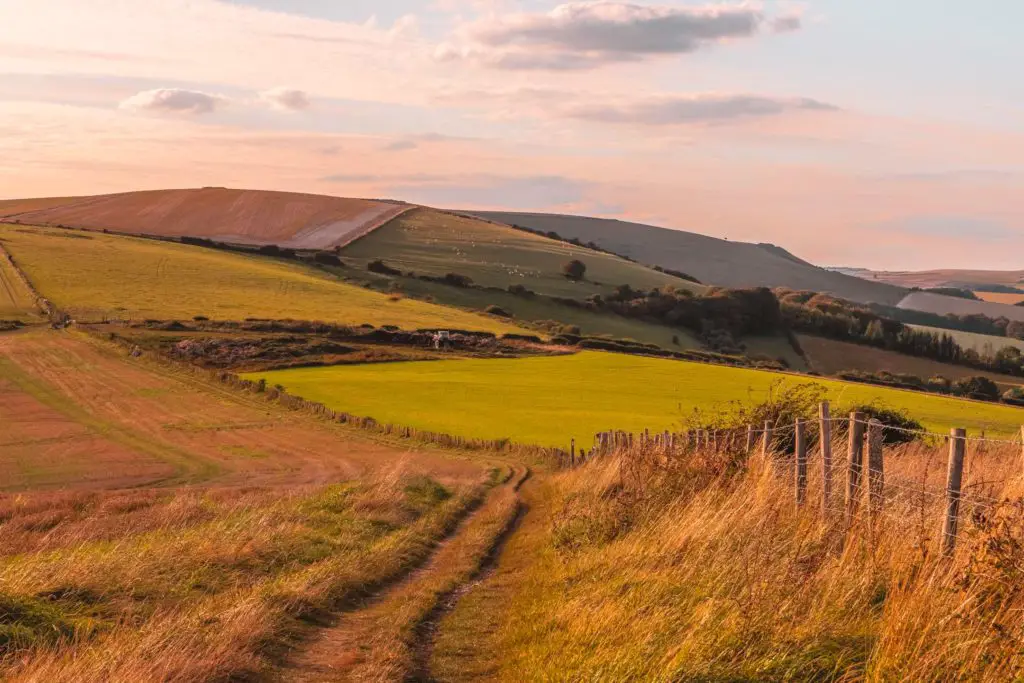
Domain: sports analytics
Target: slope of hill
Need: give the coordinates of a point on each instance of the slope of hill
(944, 305)
(95, 276)
(242, 216)
(713, 261)
(947, 278)
(431, 242)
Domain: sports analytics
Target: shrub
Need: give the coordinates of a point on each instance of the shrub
(1014, 396)
(381, 268)
(520, 290)
(200, 318)
(326, 258)
(978, 387)
(498, 311)
(902, 423)
(575, 270)
(458, 280)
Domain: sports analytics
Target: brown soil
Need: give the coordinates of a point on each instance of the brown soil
(244, 216)
(80, 413)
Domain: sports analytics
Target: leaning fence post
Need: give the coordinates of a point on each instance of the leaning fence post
(825, 432)
(876, 470)
(766, 443)
(855, 464)
(954, 479)
(750, 439)
(801, 461)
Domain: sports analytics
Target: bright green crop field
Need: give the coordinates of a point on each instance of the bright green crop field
(549, 400)
(93, 275)
(429, 242)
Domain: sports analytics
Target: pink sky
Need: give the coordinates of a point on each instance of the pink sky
(721, 119)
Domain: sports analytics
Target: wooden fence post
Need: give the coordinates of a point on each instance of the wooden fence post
(954, 479)
(572, 449)
(750, 439)
(855, 465)
(825, 443)
(876, 470)
(801, 461)
(766, 442)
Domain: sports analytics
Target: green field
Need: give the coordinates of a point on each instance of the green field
(549, 400)
(16, 301)
(982, 343)
(429, 242)
(92, 276)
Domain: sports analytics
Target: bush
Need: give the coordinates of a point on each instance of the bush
(381, 268)
(498, 311)
(575, 270)
(980, 388)
(890, 417)
(200, 318)
(326, 258)
(1014, 396)
(457, 280)
(521, 290)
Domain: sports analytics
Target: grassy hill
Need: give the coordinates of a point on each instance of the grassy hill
(944, 305)
(948, 277)
(430, 242)
(982, 343)
(713, 261)
(245, 216)
(92, 276)
(830, 357)
(552, 400)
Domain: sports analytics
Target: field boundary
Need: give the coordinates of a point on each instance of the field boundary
(44, 305)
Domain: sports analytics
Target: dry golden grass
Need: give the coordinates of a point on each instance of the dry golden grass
(691, 569)
(195, 585)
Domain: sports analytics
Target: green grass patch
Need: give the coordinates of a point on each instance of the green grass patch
(549, 400)
(135, 278)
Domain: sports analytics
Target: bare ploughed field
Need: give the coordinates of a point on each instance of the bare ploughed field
(287, 219)
(78, 413)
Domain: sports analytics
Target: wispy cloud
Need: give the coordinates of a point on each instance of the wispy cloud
(174, 101)
(700, 108)
(584, 35)
(286, 99)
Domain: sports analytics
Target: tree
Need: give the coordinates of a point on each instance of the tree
(575, 269)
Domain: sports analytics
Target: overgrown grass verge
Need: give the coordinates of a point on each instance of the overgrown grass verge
(219, 592)
(703, 569)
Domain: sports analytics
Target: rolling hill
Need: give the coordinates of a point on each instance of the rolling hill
(947, 277)
(944, 305)
(97, 276)
(287, 219)
(711, 260)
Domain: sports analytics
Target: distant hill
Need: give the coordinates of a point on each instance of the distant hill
(241, 216)
(711, 260)
(926, 279)
(944, 305)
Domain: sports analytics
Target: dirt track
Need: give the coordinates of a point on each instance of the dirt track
(287, 219)
(78, 413)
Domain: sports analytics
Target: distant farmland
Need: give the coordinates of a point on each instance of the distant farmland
(982, 343)
(92, 276)
(550, 400)
(830, 357)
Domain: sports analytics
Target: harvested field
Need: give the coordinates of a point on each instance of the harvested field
(1001, 297)
(926, 279)
(96, 276)
(244, 216)
(79, 413)
(944, 305)
(830, 357)
(551, 400)
(14, 207)
(16, 301)
(435, 243)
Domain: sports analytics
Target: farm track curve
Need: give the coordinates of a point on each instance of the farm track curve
(390, 636)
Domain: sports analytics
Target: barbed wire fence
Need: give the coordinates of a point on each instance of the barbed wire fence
(850, 471)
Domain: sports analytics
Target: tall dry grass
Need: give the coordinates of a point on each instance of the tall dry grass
(702, 567)
(195, 585)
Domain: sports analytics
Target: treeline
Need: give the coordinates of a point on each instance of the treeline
(975, 322)
(827, 316)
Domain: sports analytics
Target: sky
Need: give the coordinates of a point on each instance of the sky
(886, 134)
